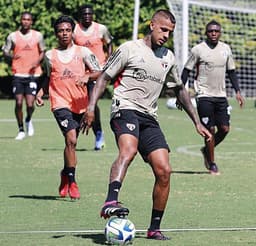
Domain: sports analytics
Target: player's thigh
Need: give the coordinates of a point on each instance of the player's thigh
(18, 85)
(125, 122)
(222, 112)
(67, 120)
(159, 161)
(151, 138)
(31, 86)
(206, 111)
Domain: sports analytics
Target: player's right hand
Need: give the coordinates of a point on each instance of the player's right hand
(86, 122)
(39, 101)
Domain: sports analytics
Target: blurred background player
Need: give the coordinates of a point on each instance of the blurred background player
(97, 38)
(212, 59)
(25, 48)
(69, 68)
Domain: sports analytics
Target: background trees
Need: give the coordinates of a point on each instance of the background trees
(117, 15)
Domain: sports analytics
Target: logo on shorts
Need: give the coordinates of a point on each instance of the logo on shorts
(64, 123)
(205, 120)
(131, 127)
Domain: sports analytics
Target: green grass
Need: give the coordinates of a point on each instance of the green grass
(29, 178)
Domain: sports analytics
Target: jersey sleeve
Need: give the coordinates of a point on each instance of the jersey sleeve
(230, 61)
(47, 62)
(192, 59)
(90, 60)
(9, 43)
(106, 34)
(173, 77)
(117, 61)
(41, 42)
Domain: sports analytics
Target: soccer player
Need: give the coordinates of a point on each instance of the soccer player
(212, 59)
(97, 38)
(140, 69)
(25, 48)
(69, 68)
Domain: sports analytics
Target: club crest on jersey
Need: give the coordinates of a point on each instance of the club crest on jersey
(64, 123)
(164, 65)
(205, 120)
(224, 53)
(131, 127)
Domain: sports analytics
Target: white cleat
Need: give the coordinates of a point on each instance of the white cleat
(30, 128)
(20, 136)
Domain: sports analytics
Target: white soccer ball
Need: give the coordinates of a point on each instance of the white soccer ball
(171, 103)
(119, 231)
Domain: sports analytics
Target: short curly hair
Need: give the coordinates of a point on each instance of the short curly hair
(61, 19)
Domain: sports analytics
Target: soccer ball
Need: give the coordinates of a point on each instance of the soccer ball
(119, 231)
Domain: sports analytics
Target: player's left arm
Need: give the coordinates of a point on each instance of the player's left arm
(234, 81)
(41, 49)
(107, 40)
(92, 66)
(185, 99)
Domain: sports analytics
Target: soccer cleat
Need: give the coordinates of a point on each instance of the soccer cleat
(30, 128)
(20, 136)
(74, 191)
(206, 163)
(99, 142)
(214, 169)
(156, 235)
(113, 208)
(64, 185)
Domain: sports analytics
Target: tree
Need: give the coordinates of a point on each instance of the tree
(116, 15)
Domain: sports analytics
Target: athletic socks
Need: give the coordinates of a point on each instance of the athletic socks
(21, 127)
(113, 190)
(156, 218)
(70, 172)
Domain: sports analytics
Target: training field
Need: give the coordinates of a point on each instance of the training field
(202, 209)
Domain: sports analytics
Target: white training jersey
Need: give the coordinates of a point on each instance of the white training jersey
(139, 74)
(211, 66)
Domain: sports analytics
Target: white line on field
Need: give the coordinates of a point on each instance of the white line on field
(194, 150)
(34, 119)
(139, 230)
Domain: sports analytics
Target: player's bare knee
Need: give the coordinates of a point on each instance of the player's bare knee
(71, 143)
(163, 174)
(127, 156)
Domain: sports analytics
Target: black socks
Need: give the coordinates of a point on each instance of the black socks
(113, 190)
(70, 172)
(156, 218)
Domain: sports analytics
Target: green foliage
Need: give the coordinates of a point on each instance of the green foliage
(116, 15)
(240, 35)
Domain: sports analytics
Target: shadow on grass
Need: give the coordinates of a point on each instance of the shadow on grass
(61, 149)
(190, 172)
(98, 238)
(37, 197)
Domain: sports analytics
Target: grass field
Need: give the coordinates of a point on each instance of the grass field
(202, 209)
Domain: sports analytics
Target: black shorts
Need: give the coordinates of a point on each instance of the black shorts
(213, 111)
(144, 127)
(67, 120)
(25, 85)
